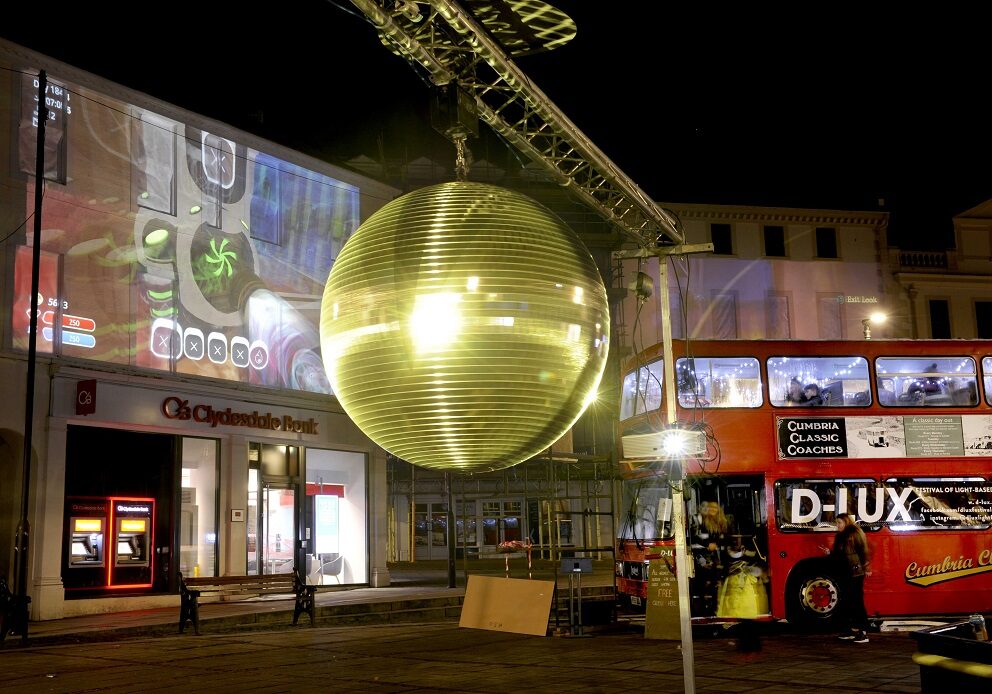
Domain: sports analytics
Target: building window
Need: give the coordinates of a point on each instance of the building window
(501, 521)
(153, 155)
(723, 243)
(779, 323)
(198, 515)
(826, 242)
(940, 319)
(828, 311)
(678, 317)
(724, 316)
(336, 514)
(775, 241)
(983, 320)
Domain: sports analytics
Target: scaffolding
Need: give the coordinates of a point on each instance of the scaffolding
(568, 505)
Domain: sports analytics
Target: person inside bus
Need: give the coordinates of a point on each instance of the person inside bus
(852, 556)
(795, 394)
(711, 535)
(926, 388)
(812, 395)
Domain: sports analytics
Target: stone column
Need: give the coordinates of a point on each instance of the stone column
(378, 518)
(47, 511)
(234, 496)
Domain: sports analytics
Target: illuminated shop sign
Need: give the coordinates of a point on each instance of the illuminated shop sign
(122, 508)
(847, 299)
(176, 408)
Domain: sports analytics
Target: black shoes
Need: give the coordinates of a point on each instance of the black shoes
(855, 637)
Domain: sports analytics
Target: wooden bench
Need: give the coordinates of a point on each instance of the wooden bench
(191, 589)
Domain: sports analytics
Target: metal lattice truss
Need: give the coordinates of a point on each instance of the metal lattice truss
(454, 46)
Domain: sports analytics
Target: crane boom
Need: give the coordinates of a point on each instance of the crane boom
(454, 47)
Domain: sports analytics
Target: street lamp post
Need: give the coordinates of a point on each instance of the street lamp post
(877, 318)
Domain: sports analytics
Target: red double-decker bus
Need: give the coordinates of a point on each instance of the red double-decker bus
(788, 434)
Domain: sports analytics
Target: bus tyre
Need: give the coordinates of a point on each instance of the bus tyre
(814, 599)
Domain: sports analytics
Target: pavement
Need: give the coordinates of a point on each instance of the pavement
(406, 638)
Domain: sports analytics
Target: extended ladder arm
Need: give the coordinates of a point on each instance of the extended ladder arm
(452, 46)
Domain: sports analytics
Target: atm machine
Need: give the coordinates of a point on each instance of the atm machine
(132, 521)
(108, 543)
(86, 544)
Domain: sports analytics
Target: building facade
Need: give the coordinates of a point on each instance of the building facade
(182, 419)
(948, 294)
(774, 273)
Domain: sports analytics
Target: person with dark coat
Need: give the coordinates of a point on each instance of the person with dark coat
(812, 395)
(794, 394)
(710, 535)
(852, 556)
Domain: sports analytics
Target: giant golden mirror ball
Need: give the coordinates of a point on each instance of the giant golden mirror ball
(464, 327)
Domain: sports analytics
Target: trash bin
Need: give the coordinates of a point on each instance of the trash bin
(952, 656)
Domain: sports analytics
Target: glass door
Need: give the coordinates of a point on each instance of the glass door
(277, 523)
(431, 531)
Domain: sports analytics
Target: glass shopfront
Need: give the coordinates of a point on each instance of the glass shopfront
(317, 521)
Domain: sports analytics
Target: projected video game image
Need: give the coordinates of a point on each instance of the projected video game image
(176, 249)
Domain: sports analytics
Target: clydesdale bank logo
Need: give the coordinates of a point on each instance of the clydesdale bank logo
(177, 408)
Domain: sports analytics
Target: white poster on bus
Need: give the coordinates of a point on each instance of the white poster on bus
(977, 430)
(875, 437)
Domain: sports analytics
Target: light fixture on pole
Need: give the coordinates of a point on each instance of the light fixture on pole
(877, 318)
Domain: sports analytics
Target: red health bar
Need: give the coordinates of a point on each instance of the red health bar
(78, 323)
(75, 322)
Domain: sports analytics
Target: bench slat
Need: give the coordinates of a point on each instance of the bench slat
(246, 586)
(266, 579)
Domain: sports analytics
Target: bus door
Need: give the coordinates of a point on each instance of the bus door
(729, 545)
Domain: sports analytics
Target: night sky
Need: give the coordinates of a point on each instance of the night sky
(703, 105)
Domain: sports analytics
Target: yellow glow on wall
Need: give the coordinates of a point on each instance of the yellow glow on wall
(464, 326)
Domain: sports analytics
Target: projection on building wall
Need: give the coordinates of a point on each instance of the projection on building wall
(176, 249)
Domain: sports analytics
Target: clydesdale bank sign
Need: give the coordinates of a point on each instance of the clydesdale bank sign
(177, 408)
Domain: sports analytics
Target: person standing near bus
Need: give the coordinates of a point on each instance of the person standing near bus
(710, 536)
(853, 557)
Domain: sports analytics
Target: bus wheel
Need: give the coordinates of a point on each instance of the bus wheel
(815, 599)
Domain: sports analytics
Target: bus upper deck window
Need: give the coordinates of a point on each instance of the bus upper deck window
(718, 382)
(641, 390)
(807, 381)
(927, 381)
